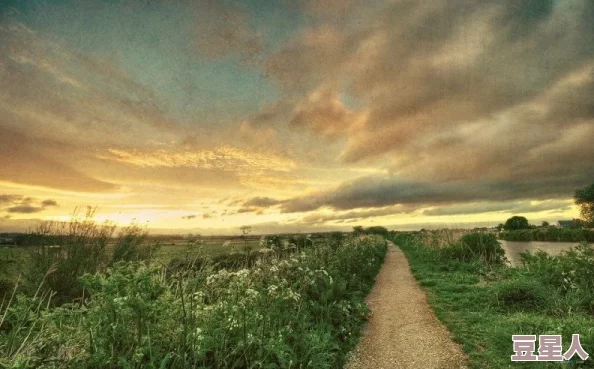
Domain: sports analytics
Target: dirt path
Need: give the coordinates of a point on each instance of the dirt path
(402, 331)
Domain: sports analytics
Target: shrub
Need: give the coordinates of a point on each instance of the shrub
(549, 234)
(481, 247)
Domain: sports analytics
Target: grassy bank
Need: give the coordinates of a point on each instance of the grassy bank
(549, 234)
(483, 302)
(291, 308)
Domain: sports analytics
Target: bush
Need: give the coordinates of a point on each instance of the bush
(571, 270)
(549, 234)
(480, 247)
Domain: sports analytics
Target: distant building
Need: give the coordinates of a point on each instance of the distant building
(565, 224)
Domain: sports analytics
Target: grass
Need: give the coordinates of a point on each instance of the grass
(484, 304)
(299, 304)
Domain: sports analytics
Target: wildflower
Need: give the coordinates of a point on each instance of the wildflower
(251, 292)
(272, 290)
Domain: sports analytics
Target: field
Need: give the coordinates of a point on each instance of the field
(282, 301)
(14, 260)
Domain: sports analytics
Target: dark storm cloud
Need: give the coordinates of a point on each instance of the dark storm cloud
(355, 215)
(508, 207)
(496, 92)
(261, 202)
(382, 191)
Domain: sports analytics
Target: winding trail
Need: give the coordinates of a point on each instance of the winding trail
(402, 331)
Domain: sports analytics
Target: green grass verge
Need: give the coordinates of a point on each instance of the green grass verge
(483, 306)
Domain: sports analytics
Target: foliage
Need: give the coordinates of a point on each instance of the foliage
(484, 305)
(549, 234)
(61, 252)
(584, 198)
(379, 230)
(516, 222)
(294, 311)
(571, 271)
(476, 247)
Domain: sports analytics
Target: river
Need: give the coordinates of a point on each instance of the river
(513, 248)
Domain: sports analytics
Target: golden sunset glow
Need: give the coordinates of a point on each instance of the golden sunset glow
(202, 117)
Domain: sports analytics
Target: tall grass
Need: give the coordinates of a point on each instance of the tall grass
(61, 252)
(288, 310)
(461, 245)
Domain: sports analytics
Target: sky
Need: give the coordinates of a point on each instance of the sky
(295, 115)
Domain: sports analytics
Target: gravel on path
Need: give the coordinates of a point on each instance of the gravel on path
(402, 331)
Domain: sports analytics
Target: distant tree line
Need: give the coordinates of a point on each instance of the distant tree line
(359, 230)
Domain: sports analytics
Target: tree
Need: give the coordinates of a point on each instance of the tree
(578, 224)
(245, 231)
(383, 231)
(516, 222)
(358, 230)
(499, 226)
(545, 224)
(584, 198)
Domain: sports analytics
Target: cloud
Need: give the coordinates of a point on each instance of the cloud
(187, 217)
(6, 199)
(224, 158)
(250, 209)
(500, 207)
(222, 31)
(13, 203)
(351, 216)
(312, 56)
(25, 209)
(93, 103)
(390, 190)
(325, 114)
(36, 162)
(98, 101)
(494, 93)
(261, 202)
(48, 203)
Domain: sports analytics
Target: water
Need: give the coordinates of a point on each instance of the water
(513, 249)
